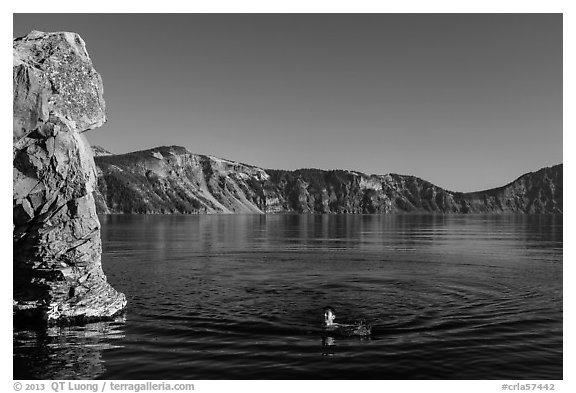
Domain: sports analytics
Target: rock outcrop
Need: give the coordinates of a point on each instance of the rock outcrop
(58, 275)
(173, 180)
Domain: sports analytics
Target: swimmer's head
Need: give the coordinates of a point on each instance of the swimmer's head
(329, 315)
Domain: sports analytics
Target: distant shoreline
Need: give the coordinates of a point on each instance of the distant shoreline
(171, 180)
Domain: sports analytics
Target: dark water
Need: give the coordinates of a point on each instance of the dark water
(241, 297)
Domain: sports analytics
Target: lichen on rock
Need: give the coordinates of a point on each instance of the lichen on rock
(57, 95)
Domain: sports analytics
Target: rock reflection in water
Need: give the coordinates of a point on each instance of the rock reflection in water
(65, 352)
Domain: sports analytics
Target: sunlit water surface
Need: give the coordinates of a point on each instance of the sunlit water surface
(241, 297)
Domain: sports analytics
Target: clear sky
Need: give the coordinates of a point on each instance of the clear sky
(466, 101)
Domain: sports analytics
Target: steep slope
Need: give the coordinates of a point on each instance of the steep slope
(338, 191)
(100, 151)
(173, 180)
(537, 192)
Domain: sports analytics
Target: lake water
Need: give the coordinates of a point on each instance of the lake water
(241, 297)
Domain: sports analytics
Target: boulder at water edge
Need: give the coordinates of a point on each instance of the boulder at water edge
(58, 274)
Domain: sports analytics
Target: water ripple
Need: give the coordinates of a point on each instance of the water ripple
(238, 297)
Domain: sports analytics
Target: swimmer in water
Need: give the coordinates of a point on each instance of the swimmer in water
(345, 329)
(329, 316)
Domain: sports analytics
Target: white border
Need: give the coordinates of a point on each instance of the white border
(301, 6)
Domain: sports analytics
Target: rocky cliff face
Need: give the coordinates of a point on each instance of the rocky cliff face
(533, 193)
(173, 180)
(57, 269)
